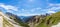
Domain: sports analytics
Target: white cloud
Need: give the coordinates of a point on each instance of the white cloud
(38, 8)
(54, 4)
(24, 10)
(27, 14)
(50, 11)
(32, 10)
(10, 11)
(52, 7)
(35, 9)
(8, 7)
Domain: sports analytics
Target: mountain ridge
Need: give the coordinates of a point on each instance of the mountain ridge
(47, 20)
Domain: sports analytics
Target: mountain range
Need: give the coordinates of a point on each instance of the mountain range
(11, 20)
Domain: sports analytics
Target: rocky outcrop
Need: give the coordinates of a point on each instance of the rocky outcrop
(5, 21)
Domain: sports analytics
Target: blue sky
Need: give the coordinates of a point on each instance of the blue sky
(30, 7)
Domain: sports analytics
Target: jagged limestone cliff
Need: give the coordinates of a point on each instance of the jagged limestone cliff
(5, 21)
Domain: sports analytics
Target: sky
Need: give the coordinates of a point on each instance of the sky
(30, 7)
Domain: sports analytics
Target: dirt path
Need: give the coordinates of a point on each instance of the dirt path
(58, 25)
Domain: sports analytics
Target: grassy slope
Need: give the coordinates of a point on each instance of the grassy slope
(50, 20)
(19, 21)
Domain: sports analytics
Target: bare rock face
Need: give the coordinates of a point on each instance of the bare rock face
(35, 20)
(5, 21)
(1, 21)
